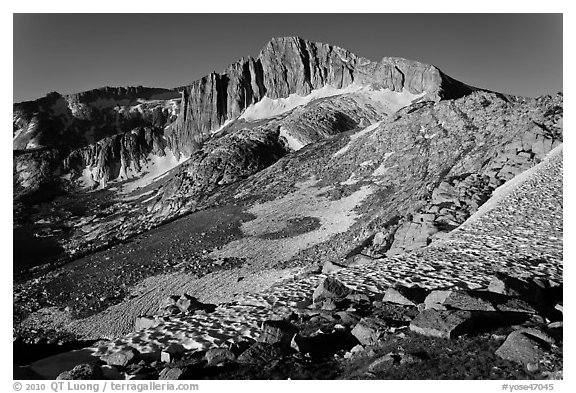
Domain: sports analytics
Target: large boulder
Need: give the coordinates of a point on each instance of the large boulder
(511, 304)
(459, 300)
(512, 286)
(369, 330)
(443, 324)
(82, 372)
(187, 303)
(259, 353)
(280, 332)
(172, 352)
(330, 288)
(217, 356)
(522, 347)
(172, 373)
(403, 295)
(121, 358)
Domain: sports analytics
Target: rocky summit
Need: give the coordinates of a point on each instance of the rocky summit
(306, 213)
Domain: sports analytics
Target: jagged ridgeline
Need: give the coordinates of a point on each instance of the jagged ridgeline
(143, 156)
(185, 117)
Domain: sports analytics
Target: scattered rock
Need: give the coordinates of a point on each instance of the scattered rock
(331, 267)
(358, 297)
(538, 334)
(144, 322)
(169, 301)
(121, 358)
(330, 288)
(260, 353)
(522, 347)
(407, 296)
(172, 352)
(303, 303)
(82, 372)
(378, 239)
(357, 260)
(328, 305)
(514, 305)
(184, 303)
(355, 350)
(467, 301)
(369, 330)
(216, 356)
(187, 303)
(347, 317)
(382, 364)
(435, 300)
(512, 286)
(394, 315)
(410, 358)
(459, 300)
(280, 332)
(443, 324)
(238, 347)
(171, 373)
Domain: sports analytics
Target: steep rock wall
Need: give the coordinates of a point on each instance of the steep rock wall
(291, 65)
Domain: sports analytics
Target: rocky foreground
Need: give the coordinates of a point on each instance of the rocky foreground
(483, 302)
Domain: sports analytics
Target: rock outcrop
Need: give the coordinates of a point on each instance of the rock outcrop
(76, 120)
(120, 156)
(291, 65)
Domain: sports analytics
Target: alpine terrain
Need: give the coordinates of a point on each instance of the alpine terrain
(306, 213)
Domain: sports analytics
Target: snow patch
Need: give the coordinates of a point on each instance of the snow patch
(137, 196)
(293, 143)
(382, 168)
(32, 144)
(43, 221)
(149, 199)
(350, 181)
(355, 136)
(214, 132)
(392, 99)
(267, 107)
(155, 169)
(87, 178)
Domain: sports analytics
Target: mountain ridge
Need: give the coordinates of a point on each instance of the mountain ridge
(304, 159)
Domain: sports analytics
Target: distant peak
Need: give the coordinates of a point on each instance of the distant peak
(286, 39)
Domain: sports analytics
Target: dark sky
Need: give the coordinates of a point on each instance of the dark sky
(511, 53)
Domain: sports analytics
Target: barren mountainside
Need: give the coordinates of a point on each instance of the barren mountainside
(250, 180)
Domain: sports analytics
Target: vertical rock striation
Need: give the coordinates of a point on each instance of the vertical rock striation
(291, 65)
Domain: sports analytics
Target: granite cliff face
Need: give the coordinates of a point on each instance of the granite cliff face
(100, 130)
(76, 120)
(120, 156)
(291, 65)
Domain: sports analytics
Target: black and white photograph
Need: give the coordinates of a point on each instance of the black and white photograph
(286, 196)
